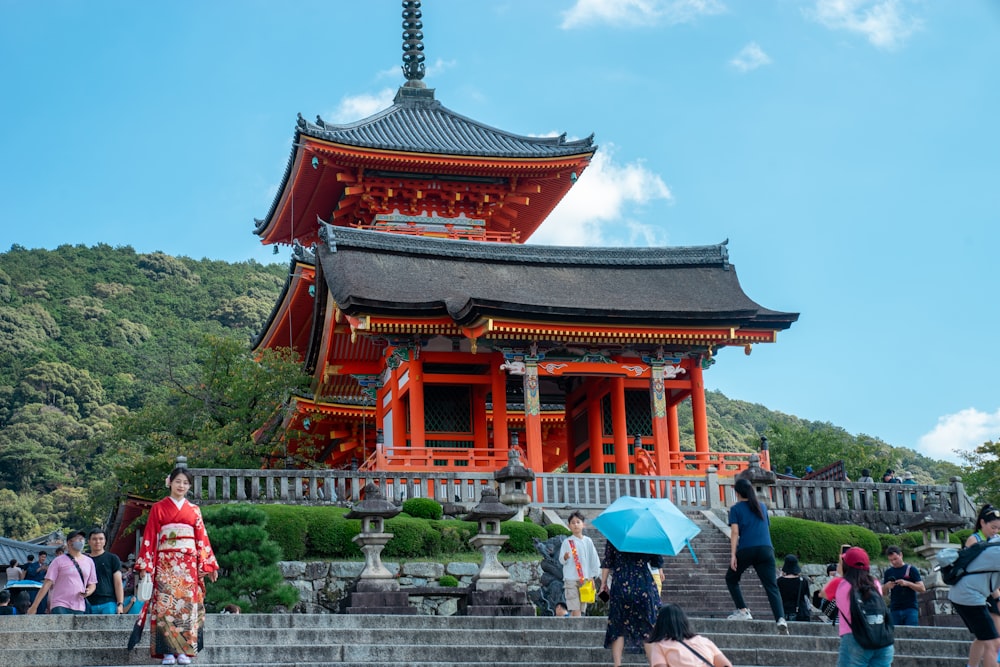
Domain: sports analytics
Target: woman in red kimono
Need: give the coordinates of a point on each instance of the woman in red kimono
(176, 553)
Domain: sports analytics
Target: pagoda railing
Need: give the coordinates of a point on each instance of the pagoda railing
(397, 459)
(824, 500)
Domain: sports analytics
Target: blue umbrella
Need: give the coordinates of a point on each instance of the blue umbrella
(647, 526)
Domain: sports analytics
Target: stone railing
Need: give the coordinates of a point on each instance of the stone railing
(891, 504)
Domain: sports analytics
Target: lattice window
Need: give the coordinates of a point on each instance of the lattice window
(607, 423)
(638, 414)
(447, 409)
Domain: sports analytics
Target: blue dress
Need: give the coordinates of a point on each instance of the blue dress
(634, 601)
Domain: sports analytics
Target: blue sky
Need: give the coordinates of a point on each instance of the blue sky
(848, 149)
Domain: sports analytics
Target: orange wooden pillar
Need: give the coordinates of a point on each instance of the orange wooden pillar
(674, 437)
(414, 372)
(658, 401)
(501, 439)
(398, 417)
(595, 424)
(619, 425)
(532, 416)
(698, 413)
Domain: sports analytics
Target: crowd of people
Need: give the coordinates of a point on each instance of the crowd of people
(175, 553)
(84, 578)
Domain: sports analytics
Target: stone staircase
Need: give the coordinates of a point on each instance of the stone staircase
(313, 640)
(700, 588)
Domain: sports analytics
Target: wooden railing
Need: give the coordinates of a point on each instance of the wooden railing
(565, 490)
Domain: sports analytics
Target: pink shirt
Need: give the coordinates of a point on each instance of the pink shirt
(843, 598)
(67, 587)
(674, 654)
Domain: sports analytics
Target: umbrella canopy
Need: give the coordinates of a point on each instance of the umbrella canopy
(646, 525)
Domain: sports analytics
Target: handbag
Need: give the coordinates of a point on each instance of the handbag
(587, 590)
(144, 589)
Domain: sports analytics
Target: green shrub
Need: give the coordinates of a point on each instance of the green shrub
(422, 508)
(521, 536)
(287, 526)
(960, 536)
(455, 535)
(554, 529)
(411, 538)
(448, 581)
(330, 534)
(817, 542)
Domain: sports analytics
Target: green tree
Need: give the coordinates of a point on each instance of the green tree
(17, 520)
(981, 472)
(222, 417)
(248, 560)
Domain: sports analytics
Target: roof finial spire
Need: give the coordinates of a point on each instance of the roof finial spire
(413, 46)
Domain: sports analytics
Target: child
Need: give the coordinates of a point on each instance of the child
(561, 610)
(580, 563)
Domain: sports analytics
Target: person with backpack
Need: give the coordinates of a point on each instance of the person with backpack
(972, 595)
(866, 633)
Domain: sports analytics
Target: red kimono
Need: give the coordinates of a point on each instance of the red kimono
(176, 551)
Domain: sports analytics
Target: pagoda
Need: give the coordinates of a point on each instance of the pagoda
(438, 338)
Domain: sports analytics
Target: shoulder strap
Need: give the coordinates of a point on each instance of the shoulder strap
(83, 580)
(700, 656)
(576, 559)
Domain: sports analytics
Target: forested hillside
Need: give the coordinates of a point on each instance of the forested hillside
(111, 360)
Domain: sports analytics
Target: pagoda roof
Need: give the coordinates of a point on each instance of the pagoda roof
(355, 170)
(376, 273)
(416, 122)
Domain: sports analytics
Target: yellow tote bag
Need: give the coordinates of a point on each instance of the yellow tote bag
(587, 591)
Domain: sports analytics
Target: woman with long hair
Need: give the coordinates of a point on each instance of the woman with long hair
(177, 554)
(673, 643)
(750, 545)
(633, 600)
(857, 575)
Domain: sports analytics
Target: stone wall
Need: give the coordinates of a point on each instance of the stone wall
(323, 584)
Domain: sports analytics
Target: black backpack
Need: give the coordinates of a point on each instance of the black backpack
(870, 622)
(951, 573)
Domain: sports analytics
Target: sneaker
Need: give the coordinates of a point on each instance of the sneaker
(183, 660)
(741, 615)
(169, 659)
(782, 626)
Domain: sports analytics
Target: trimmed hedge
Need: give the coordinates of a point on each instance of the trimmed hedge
(423, 508)
(411, 538)
(554, 529)
(816, 542)
(521, 537)
(287, 526)
(455, 535)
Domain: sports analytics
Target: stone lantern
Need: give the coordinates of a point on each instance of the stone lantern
(492, 592)
(513, 480)
(376, 590)
(489, 513)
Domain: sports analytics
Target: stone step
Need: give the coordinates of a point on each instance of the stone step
(310, 640)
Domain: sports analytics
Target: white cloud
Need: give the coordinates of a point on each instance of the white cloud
(638, 13)
(750, 58)
(962, 431)
(596, 210)
(884, 23)
(357, 107)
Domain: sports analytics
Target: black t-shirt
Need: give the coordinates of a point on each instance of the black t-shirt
(106, 565)
(902, 597)
(792, 591)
